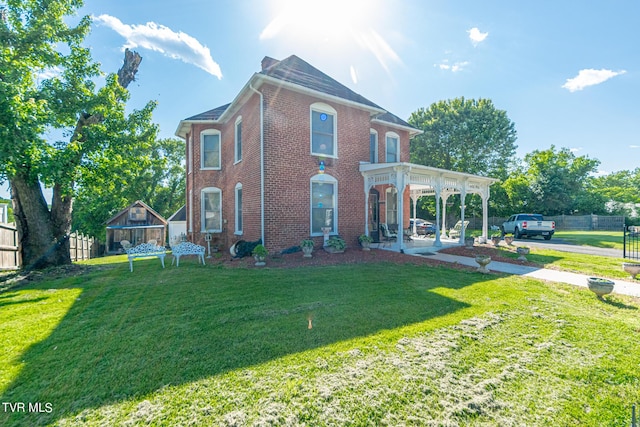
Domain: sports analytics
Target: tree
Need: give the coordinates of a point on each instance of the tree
(464, 135)
(152, 172)
(558, 180)
(36, 40)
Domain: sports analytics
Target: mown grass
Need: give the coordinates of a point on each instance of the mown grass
(389, 344)
(598, 239)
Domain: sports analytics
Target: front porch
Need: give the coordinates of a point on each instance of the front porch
(419, 245)
(413, 181)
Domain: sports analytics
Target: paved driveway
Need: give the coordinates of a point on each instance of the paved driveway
(564, 246)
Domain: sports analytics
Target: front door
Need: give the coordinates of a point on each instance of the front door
(374, 215)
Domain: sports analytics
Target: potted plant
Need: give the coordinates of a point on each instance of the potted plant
(600, 286)
(469, 241)
(365, 242)
(335, 245)
(307, 247)
(508, 240)
(495, 239)
(260, 254)
(632, 268)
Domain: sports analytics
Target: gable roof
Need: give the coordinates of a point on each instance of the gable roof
(297, 74)
(141, 204)
(179, 215)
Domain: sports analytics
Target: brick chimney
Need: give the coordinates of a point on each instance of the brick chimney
(268, 62)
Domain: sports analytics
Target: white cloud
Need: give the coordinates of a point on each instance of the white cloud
(634, 146)
(476, 36)
(590, 77)
(575, 150)
(176, 45)
(454, 68)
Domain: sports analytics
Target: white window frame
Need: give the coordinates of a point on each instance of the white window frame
(320, 107)
(202, 210)
(323, 179)
(237, 153)
(375, 149)
(386, 146)
(202, 135)
(239, 213)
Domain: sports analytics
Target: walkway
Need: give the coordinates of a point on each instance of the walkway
(621, 286)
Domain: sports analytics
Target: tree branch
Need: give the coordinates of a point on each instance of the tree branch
(127, 73)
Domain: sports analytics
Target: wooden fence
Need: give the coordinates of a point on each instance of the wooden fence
(80, 247)
(566, 222)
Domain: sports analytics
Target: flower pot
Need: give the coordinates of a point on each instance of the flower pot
(333, 250)
(306, 250)
(468, 242)
(260, 260)
(508, 240)
(523, 252)
(366, 246)
(631, 268)
(600, 286)
(483, 261)
(496, 240)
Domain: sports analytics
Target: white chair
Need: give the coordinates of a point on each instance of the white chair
(386, 234)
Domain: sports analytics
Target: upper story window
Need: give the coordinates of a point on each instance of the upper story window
(238, 145)
(392, 148)
(323, 130)
(210, 149)
(373, 146)
(211, 219)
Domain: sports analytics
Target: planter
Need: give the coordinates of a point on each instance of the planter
(523, 252)
(631, 268)
(508, 240)
(483, 261)
(496, 240)
(600, 286)
(366, 246)
(468, 242)
(333, 250)
(307, 250)
(260, 260)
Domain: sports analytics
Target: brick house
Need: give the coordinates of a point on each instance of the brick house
(297, 151)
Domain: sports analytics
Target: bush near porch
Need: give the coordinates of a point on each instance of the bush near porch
(394, 343)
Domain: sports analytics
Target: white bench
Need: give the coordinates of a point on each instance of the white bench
(145, 250)
(186, 248)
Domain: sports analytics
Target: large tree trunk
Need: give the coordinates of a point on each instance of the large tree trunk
(43, 234)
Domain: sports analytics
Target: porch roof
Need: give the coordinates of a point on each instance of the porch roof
(424, 180)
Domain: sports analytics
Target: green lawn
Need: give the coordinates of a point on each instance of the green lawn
(389, 345)
(599, 239)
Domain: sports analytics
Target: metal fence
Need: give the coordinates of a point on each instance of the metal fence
(80, 247)
(631, 242)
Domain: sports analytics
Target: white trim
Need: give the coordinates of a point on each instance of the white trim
(190, 152)
(412, 131)
(239, 231)
(386, 148)
(237, 160)
(202, 135)
(376, 154)
(202, 209)
(321, 107)
(324, 179)
(190, 209)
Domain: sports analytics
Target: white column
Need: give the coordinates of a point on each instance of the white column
(444, 198)
(437, 243)
(485, 217)
(463, 200)
(400, 180)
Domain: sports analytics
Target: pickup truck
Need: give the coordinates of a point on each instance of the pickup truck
(521, 225)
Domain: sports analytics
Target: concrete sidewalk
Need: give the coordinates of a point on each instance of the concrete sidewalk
(621, 286)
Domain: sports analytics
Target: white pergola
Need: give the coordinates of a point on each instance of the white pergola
(425, 181)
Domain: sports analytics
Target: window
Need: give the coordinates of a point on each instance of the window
(373, 146)
(238, 149)
(238, 208)
(210, 149)
(392, 207)
(137, 214)
(211, 209)
(324, 192)
(393, 155)
(323, 130)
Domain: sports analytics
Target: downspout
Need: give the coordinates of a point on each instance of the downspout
(261, 162)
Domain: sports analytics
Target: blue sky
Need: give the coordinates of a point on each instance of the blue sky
(566, 72)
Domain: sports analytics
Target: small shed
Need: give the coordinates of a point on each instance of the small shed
(178, 225)
(137, 223)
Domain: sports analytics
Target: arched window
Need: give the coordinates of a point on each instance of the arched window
(392, 147)
(238, 208)
(211, 208)
(324, 204)
(210, 149)
(324, 139)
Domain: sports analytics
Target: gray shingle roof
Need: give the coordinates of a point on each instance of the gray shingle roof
(211, 114)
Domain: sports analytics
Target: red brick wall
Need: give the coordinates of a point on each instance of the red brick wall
(289, 167)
